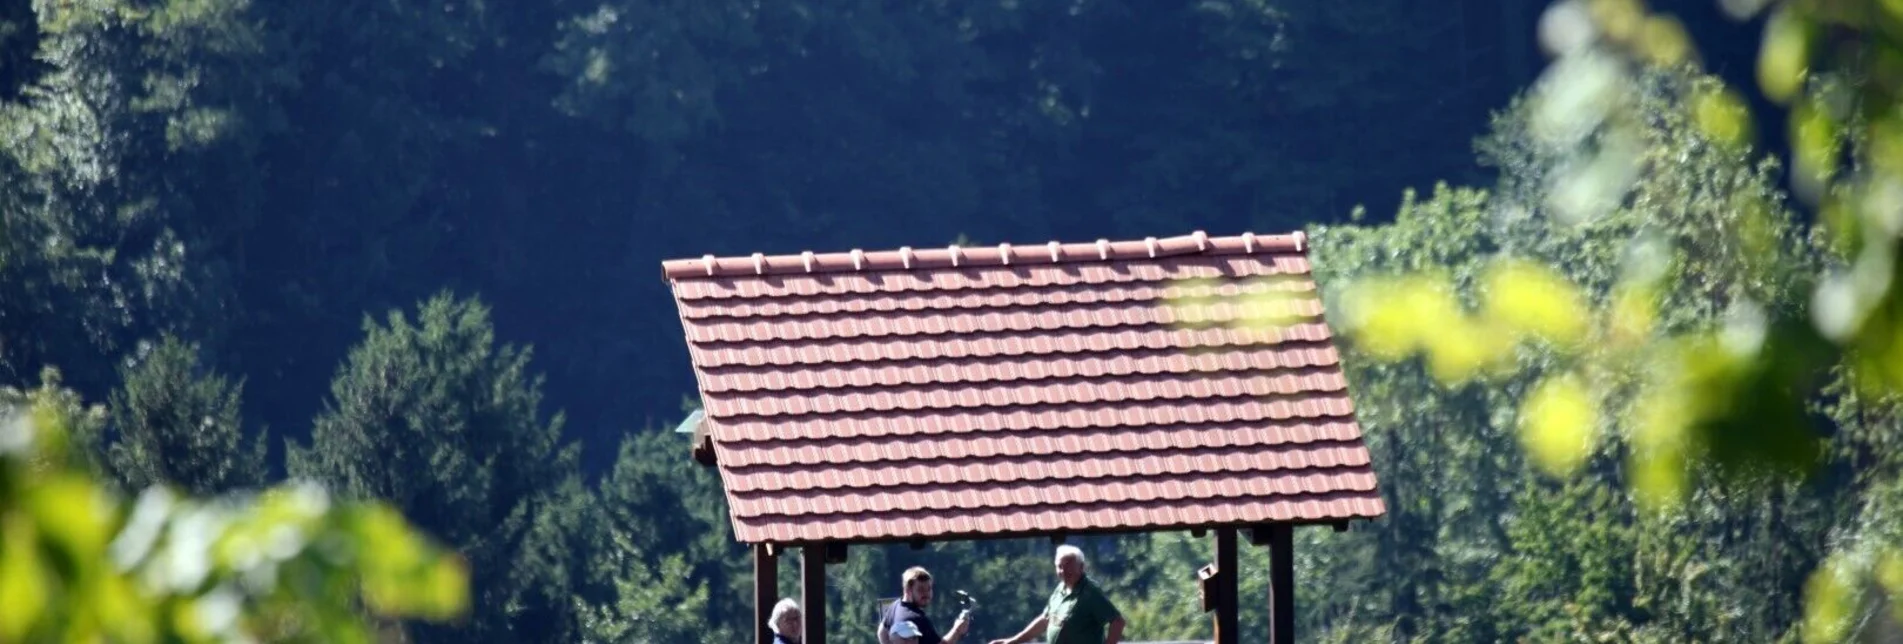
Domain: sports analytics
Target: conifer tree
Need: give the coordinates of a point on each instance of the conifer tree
(174, 422)
(435, 418)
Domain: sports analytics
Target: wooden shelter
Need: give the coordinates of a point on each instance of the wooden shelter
(1189, 383)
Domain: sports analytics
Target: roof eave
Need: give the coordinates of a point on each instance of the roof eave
(1339, 523)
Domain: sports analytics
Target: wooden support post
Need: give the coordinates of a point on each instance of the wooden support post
(1281, 584)
(813, 592)
(1228, 628)
(766, 591)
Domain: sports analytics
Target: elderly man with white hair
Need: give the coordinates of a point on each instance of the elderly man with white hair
(787, 622)
(1077, 613)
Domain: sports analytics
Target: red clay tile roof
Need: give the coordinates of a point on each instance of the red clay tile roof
(1010, 390)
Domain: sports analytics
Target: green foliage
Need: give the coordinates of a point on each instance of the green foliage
(1625, 318)
(651, 607)
(1156, 589)
(127, 159)
(399, 146)
(1732, 395)
(288, 564)
(1546, 334)
(174, 424)
(662, 541)
(436, 419)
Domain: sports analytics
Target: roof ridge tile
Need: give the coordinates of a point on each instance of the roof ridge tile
(905, 258)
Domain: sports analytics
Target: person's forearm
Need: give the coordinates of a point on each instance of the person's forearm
(1034, 629)
(958, 631)
(1116, 633)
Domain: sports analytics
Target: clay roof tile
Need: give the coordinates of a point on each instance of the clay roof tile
(1017, 389)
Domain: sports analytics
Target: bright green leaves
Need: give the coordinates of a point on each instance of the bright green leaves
(283, 565)
(1834, 592)
(1664, 41)
(1721, 114)
(1784, 57)
(1860, 307)
(1816, 140)
(73, 512)
(24, 578)
(1724, 398)
(1396, 317)
(1689, 394)
(1254, 304)
(1522, 301)
(1559, 424)
(1889, 575)
(1530, 299)
(1661, 40)
(1719, 392)
(402, 574)
(1525, 301)
(1829, 601)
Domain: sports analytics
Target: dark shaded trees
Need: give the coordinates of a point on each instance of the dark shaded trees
(130, 171)
(174, 422)
(663, 561)
(436, 418)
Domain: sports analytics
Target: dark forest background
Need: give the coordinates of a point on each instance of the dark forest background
(412, 248)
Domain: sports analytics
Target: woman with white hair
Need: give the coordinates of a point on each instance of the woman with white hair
(786, 622)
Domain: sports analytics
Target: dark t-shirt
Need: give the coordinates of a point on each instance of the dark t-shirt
(1078, 615)
(901, 611)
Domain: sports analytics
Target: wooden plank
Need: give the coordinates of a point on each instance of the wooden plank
(1208, 597)
(766, 591)
(704, 443)
(813, 592)
(1281, 584)
(1228, 624)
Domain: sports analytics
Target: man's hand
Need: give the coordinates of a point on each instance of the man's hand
(1035, 629)
(1116, 631)
(960, 625)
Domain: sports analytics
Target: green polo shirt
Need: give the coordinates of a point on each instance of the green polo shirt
(1078, 615)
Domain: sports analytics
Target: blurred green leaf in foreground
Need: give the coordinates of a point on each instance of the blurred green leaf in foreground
(1734, 397)
(285, 564)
